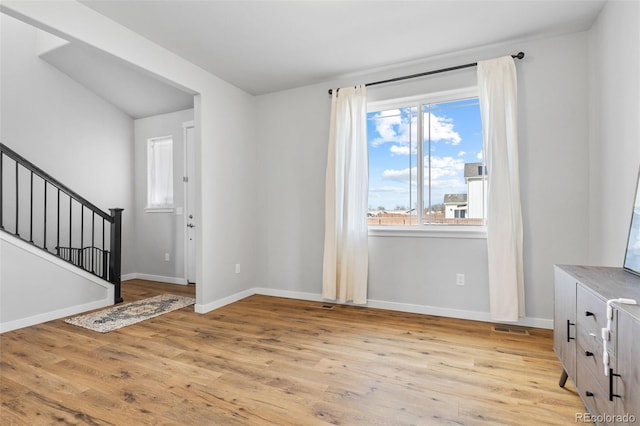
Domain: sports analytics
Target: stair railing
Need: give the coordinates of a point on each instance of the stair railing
(45, 213)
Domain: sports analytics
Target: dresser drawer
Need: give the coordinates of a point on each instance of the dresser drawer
(592, 342)
(589, 355)
(591, 317)
(594, 395)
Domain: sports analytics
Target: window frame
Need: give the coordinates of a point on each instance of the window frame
(159, 208)
(426, 230)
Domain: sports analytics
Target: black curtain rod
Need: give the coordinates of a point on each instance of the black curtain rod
(520, 55)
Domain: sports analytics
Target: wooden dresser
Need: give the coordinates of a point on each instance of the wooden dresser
(580, 315)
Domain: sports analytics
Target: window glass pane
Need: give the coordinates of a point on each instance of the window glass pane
(440, 180)
(160, 172)
(454, 174)
(393, 166)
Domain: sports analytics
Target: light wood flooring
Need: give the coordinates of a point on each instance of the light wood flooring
(267, 360)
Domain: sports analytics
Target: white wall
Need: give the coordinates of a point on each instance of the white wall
(60, 126)
(225, 136)
(421, 271)
(38, 287)
(292, 150)
(614, 52)
(160, 233)
(261, 165)
(229, 184)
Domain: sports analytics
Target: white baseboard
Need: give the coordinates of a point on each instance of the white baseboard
(149, 277)
(314, 297)
(379, 304)
(53, 315)
(457, 313)
(203, 309)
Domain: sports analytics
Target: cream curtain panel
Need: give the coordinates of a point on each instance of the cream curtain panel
(497, 84)
(346, 252)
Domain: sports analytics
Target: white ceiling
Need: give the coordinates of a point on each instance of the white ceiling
(136, 93)
(267, 46)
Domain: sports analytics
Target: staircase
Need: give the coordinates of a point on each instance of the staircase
(46, 214)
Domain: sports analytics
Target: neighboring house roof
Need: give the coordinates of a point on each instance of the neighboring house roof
(455, 198)
(472, 170)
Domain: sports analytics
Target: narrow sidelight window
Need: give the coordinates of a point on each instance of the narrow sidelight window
(160, 173)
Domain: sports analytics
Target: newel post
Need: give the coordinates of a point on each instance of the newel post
(115, 262)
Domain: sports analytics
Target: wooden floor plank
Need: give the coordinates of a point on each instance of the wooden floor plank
(267, 360)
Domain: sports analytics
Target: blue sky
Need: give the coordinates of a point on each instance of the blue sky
(456, 139)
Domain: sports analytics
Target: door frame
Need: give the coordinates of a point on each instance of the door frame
(186, 176)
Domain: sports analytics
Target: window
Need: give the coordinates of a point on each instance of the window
(440, 181)
(160, 173)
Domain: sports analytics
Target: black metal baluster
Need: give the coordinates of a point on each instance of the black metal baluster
(93, 239)
(58, 225)
(31, 211)
(105, 262)
(103, 242)
(17, 210)
(1, 190)
(70, 215)
(82, 232)
(45, 215)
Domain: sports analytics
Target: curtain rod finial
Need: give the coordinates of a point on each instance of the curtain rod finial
(520, 55)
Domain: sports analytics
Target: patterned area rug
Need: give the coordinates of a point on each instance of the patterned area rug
(130, 313)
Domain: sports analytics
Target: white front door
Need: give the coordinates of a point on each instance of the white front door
(190, 184)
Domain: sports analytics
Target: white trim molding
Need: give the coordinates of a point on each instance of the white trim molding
(150, 277)
(53, 315)
(378, 304)
(203, 309)
(433, 231)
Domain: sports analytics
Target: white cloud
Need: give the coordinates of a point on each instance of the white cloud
(443, 169)
(400, 150)
(447, 177)
(462, 153)
(400, 175)
(452, 186)
(393, 126)
(388, 189)
(480, 155)
(441, 129)
(446, 165)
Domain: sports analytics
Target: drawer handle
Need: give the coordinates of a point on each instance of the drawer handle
(588, 353)
(590, 314)
(569, 324)
(611, 394)
(589, 393)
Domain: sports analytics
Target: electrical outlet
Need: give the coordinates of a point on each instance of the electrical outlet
(459, 279)
(167, 257)
(237, 268)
